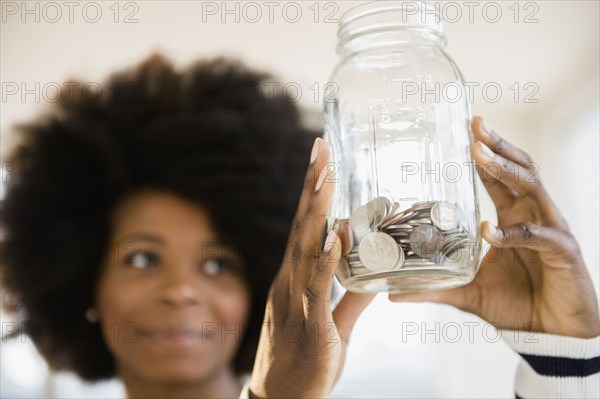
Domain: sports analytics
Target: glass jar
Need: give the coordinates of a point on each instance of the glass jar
(397, 119)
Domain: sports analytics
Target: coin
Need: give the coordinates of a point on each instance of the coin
(395, 207)
(391, 214)
(458, 257)
(379, 252)
(381, 207)
(401, 217)
(455, 245)
(388, 204)
(361, 220)
(422, 204)
(401, 258)
(385, 237)
(426, 240)
(444, 215)
(401, 226)
(420, 221)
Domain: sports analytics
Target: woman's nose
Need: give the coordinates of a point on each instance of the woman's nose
(180, 287)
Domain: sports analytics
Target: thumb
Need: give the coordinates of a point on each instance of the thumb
(348, 310)
(456, 297)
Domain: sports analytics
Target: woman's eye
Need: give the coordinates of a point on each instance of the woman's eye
(216, 266)
(142, 260)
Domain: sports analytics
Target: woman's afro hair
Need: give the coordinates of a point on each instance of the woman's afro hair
(209, 133)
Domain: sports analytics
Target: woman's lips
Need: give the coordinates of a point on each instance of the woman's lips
(176, 339)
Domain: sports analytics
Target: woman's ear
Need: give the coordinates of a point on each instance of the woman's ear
(91, 315)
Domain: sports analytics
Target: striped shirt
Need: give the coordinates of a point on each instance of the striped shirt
(555, 366)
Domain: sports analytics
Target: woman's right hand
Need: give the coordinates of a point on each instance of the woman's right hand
(303, 342)
(533, 277)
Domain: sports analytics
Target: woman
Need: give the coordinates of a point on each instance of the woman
(157, 236)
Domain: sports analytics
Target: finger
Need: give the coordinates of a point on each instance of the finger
(505, 149)
(310, 235)
(317, 294)
(502, 195)
(347, 312)
(523, 182)
(346, 236)
(554, 247)
(293, 251)
(483, 132)
(318, 158)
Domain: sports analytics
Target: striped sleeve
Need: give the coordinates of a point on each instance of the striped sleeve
(555, 366)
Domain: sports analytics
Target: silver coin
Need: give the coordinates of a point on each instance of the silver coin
(405, 227)
(399, 234)
(379, 252)
(420, 221)
(362, 219)
(392, 220)
(458, 257)
(392, 213)
(400, 216)
(401, 258)
(395, 207)
(381, 207)
(454, 237)
(388, 204)
(456, 245)
(422, 204)
(422, 209)
(455, 231)
(426, 240)
(444, 215)
(446, 247)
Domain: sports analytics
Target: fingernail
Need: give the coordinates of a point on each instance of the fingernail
(330, 240)
(349, 236)
(321, 178)
(485, 150)
(492, 229)
(315, 150)
(486, 128)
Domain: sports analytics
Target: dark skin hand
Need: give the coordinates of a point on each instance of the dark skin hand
(533, 277)
(303, 342)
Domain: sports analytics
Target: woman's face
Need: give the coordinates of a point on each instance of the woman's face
(171, 300)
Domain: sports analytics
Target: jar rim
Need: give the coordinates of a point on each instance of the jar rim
(391, 14)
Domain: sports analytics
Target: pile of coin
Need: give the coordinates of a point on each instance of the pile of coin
(386, 239)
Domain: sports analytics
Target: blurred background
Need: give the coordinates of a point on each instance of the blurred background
(542, 55)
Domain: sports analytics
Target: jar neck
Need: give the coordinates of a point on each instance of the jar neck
(390, 23)
(384, 38)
